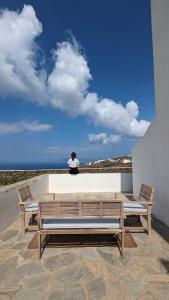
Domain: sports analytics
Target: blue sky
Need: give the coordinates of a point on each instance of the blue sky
(87, 94)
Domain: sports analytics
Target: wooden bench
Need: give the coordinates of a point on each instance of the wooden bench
(140, 205)
(81, 217)
(27, 205)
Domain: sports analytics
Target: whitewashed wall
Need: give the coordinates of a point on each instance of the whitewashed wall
(151, 155)
(9, 208)
(146, 164)
(81, 183)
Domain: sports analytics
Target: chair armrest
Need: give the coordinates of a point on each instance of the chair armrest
(147, 203)
(134, 196)
(22, 207)
(128, 194)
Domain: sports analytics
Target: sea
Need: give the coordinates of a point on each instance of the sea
(33, 166)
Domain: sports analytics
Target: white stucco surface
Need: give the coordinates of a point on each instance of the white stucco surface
(81, 183)
(151, 155)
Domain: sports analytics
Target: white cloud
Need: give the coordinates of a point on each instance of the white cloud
(18, 53)
(110, 114)
(104, 138)
(68, 82)
(67, 86)
(34, 126)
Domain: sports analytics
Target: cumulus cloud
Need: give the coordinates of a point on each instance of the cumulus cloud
(68, 82)
(104, 138)
(67, 86)
(34, 126)
(110, 114)
(18, 54)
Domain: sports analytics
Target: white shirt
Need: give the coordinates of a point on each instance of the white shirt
(73, 163)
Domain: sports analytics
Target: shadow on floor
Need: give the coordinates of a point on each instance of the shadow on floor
(165, 264)
(161, 229)
(82, 240)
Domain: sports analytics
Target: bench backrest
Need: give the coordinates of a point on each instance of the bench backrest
(146, 193)
(80, 209)
(24, 194)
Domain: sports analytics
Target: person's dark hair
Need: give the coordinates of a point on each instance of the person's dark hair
(73, 155)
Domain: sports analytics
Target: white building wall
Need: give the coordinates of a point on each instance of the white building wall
(103, 182)
(151, 155)
(9, 202)
(146, 165)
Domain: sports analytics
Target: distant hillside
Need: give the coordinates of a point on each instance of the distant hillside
(118, 162)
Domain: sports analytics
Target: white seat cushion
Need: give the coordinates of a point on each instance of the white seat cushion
(79, 223)
(134, 207)
(32, 207)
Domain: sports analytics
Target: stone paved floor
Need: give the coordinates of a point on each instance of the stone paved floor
(84, 273)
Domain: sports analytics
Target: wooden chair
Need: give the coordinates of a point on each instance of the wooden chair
(81, 217)
(27, 205)
(140, 205)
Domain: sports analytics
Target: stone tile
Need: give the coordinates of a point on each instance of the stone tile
(8, 293)
(107, 257)
(146, 296)
(116, 292)
(4, 296)
(6, 245)
(90, 254)
(96, 288)
(152, 265)
(28, 269)
(156, 278)
(51, 252)
(8, 234)
(6, 254)
(28, 254)
(7, 266)
(53, 263)
(28, 295)
(134, 286)
(159, 290)
(37, 282)
(72, 273)
(68, 293)
(20, 246)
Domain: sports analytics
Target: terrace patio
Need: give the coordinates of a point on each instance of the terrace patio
(84, 271)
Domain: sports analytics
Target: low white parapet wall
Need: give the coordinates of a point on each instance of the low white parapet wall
(60, 183)
(9, 202)
(90, 182)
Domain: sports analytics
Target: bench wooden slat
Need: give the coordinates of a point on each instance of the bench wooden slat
(82, 208)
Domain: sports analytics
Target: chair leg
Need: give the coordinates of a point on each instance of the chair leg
(39, 245)
(149, 224)
(23, 223)
(122, 243)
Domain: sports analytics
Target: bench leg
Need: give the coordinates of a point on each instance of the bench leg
(39, 245)
(23, 223)
(122, 243)
(149, 224)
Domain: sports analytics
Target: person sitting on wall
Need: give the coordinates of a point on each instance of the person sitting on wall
(73, 163)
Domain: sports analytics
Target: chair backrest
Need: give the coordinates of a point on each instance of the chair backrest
(146, 193)
(80, 209)
(24, 194)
